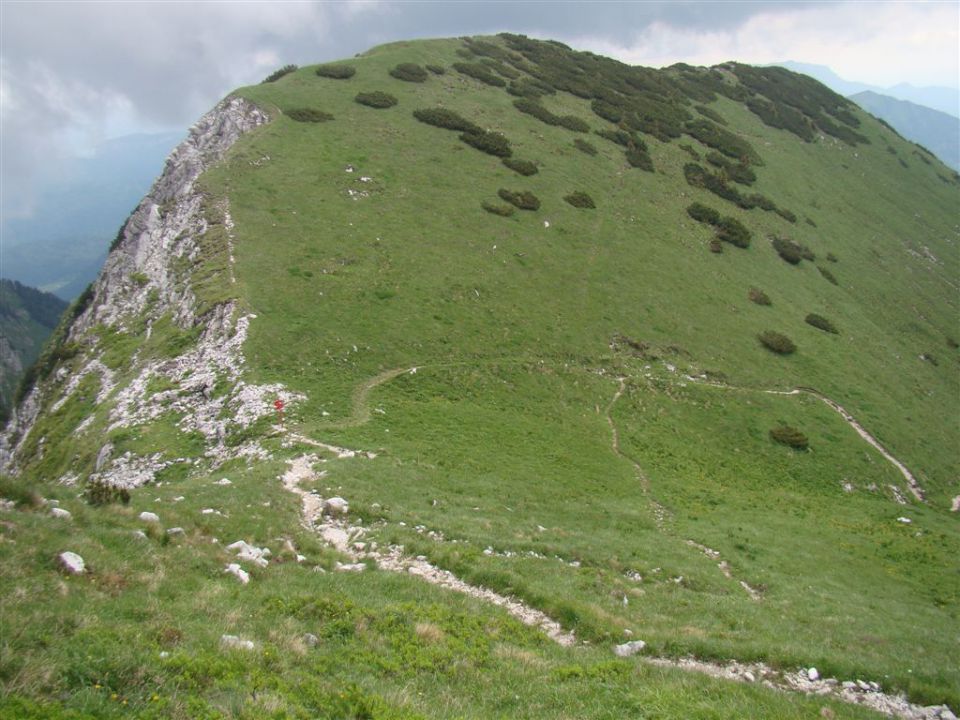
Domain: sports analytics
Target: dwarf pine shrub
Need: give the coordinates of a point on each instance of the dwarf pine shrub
(716, 246)
(101, 493)
(376, 99)
(734, 232)
(409, 72)
(337, 72)
(277, 74)
(704, 214)
(584, 147)
(531, 107)
(639, 158)
(492, 143)
(524, 200)
(759, 296)
(572, 122)
(790, 251)
(580, 199)
(828, 276)
(497, 209)
(523, 167)
(789, 436)
(436, 69)
(480, 72)
(821, 323)
(308, 115)
(777, 342)
(448, 119)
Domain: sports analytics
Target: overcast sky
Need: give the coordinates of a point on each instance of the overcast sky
(74, 73)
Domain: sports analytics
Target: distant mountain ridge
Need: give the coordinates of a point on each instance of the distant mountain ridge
(935, 130)
(27, 317)
(944, 99)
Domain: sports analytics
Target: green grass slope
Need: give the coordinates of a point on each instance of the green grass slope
(573, 399)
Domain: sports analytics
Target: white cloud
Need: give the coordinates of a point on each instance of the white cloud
(881, 43)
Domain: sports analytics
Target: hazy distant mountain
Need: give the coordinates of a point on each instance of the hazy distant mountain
(62, 246)
(944, 99)
(936, 131)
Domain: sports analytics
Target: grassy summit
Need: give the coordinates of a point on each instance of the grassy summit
(568, 402)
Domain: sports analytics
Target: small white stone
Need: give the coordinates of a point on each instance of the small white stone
(223, 481)
(749, 676)
(350, 567)
(148, 517)
(812, 674)
(140, 534)
(310, 640)
(60, 513)
(164, 654)
(335, 506)
(72, 563)
(238, 572)
(176, 531)
(629, 648)
(232, 642)
(904, 520)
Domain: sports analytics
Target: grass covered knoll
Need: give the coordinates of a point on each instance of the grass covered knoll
(503, 439)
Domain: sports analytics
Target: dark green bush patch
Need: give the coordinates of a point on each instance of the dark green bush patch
(277, 74)
(497, 209)
(501, 69)
(929, 357)
(759, 296)
(99, 493)
(737, 171)
(712, 135)
(716, 246)
(704, 214)
(524, 200)
(710, 114)
(437, 69)
(532, 107)
(831, 257)
(639, 158)
(791, 251)
(376, 99)
(492, 143)
(790, 436)
(308, 115)
(448, 119)
(821, 323)
(580, 199)
(777, 342)
(572, 122)
(480, 72)
(689, 150)
(409, 72)
(734, 232)
(828, 276)
(523, 167)
(337, 72)
(621, 137)
(584, 147)
(785, 214)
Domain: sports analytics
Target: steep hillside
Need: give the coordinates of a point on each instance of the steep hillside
(608, 354)
(933, 129)
(27, 317)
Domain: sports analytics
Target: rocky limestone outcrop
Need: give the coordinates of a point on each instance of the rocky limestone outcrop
(148, 276)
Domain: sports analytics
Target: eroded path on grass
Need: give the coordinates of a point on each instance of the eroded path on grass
(348, 539)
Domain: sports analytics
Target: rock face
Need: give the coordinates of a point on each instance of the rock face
(148, 278)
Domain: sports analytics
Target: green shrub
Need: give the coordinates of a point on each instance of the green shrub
(620, 137)
(572, 122)
(638, 158)
(308, 115)
(790, 436)
(277, 74)
(711, 114)
(436, 69)
(376, 99)
(336, 72)
(607, 111)
(480, 72)
(704, 214)
(820, 322)
(448, 119)
(584, 147)
(523, 167)
(792, 252)
(496, 209)
(100, 493)
(524, 200)
(716, 246)
(828, 276)
(776, 342)
(831, 257)
(492, 143)
(759, 296)
(725, 141)
(580, 199)
(409, 72)
(785, 214)
(689, 150)
(734, 232)
(530, 88)
(738, 172)
(531, 107)
(501, 69)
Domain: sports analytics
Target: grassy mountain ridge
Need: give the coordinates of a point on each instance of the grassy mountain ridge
(567, 404)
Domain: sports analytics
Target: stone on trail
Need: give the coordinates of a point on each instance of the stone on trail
(813, 674)
(72, 563)
(350, 567)
(148, 517)
(629, 648)
(335, 506)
